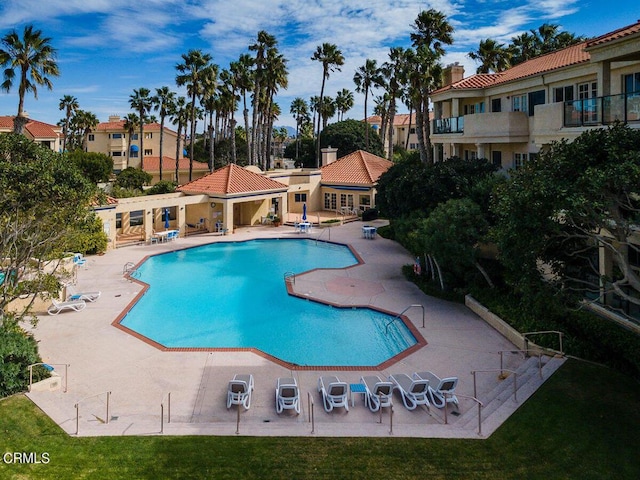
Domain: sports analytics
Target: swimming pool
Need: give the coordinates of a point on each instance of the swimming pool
(233, 295)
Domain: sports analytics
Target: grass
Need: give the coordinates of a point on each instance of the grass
(582, 424)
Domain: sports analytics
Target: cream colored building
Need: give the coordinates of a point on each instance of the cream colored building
(43, 133)
(112, 139)
(404, 130)
(509, 117)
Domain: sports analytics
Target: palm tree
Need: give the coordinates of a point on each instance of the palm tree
(392, 70)
(300, 112)
(190, 73)
(86, 122)
(142, 103)
(34, 58)
(131, 122)
(162, 102)
(431, 31)
(329, 109)
(493, 56)
(211, 103)
(70, 105)
(344, 102)
(180, 116)
(242, 70)
(275, 77)
(366, 77)
(332, 59)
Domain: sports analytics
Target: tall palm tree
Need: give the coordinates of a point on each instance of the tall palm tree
(211, 102)
(329, 109)
(275, 77)
(242, 71)
(331, 59)
(141, 102)
(367, 77)
(70, 105)
(131, 123)
(300, 112)
(86, 122)
(180, 116)
(493, 56)
(35, 61)
(392, 70)
(431, 32)
(162, 101)
(190, 74)
(344, 102)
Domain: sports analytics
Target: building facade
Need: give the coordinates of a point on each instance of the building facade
(45, 134)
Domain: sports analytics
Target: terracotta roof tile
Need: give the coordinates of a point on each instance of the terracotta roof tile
(615, 35)
(230, 180)
(119, 126)
(359, 168)
(152, 164)
(545, 63)
(35, 128)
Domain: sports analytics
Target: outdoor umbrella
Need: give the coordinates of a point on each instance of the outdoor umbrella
(166, 219)
(304, 212)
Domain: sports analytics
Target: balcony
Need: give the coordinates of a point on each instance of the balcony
(448, 125)
(485, 127)
(602, 110)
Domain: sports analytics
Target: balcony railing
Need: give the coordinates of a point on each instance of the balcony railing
(448, 125)
(602, 110)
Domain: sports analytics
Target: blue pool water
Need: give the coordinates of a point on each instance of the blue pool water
(234, 295)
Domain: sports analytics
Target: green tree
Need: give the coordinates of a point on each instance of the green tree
(163, 186)
(70, 105)
(331, 59)
(162, 102)
(141, 102)
(493, 56)
(300, 111)
(545, 39)
(560, 212)
(35, 61)
(344, 102)
(97, 167)
(190, 74)
(133, 178)
(367, 77)
(349, 136)
(306, 152)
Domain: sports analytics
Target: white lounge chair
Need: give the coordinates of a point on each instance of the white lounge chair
(334, 393)
(86, 296)
(414, 392)
(58, 307)
(239, 391)
(438, 387)
(287, 395)
(378, 393)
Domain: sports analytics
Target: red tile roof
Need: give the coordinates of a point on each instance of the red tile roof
(152, 164)
(119, 126)
(230, 180)
(615, 35)
(357, 168)
(35, 128)
(544, 63)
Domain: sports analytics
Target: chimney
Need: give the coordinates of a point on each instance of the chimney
(114, 118)
(452, 73)
(329, 155)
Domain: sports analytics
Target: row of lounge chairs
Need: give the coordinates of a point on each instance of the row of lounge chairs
(421, 388)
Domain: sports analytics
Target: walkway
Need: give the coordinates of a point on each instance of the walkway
(138, 376)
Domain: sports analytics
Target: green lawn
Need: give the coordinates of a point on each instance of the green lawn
(584, 423)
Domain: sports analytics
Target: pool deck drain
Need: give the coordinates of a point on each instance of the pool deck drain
(139, 377)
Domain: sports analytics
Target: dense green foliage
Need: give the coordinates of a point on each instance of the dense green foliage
(349, 136)
(569, 429)
(18, 350)
(132, 178)
(97, 167)
(163, 186)
(306, 152)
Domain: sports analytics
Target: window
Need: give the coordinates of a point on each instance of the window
(134, 136)
(535, 98)
(148, 151)
(563, 94)
(519, 159)
(365, 202)
(413, 146)
(496, 105)
(116, 154)
(118, 220)
(136, 218)
(148, 135)
(330, 201)
(496, 158)
(346, 200)
(412, 130)
(470, 154)
(587, 90)
(631, 83)
(519, 103)
(133, 154)
(116, 135)
(300, 197)
(92, 137)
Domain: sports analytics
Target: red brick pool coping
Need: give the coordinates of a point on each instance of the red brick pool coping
(420, 340)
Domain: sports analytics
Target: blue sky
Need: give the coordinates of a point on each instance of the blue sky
(108, 48)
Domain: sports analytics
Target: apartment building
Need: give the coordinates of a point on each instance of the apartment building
(112, 138)
(43, 133)
(509, 117)
(404, 130)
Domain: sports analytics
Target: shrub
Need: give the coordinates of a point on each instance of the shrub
(370, 214)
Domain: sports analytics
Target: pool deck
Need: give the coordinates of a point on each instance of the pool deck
(139, 376)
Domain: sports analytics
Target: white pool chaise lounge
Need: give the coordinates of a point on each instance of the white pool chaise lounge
(378, 394)
(334, 393)
(287, 395)
(86, 296)
(57, 307)
(239, 391)
(441, 390)
(414, 392)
